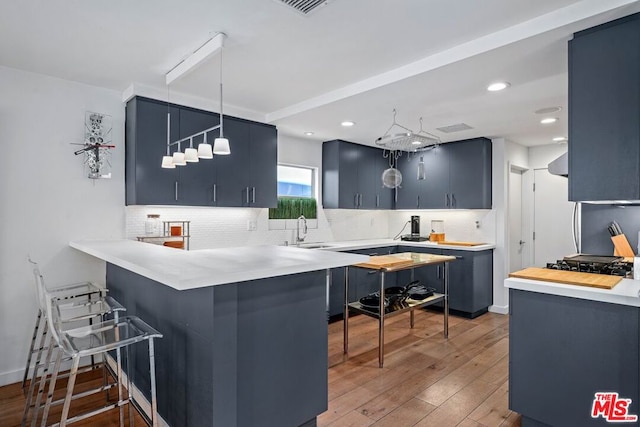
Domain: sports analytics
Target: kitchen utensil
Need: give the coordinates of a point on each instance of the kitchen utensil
(617, 228)
(591, 259)
(372, 302)
(601, 281)
(391, 178)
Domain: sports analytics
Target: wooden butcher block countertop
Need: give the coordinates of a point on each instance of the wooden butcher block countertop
(601, 281)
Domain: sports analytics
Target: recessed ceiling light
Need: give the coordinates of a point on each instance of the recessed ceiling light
(559, 139)
(548, 120)
(416, 142)
(494, 87)
(308, 133)
(348, 123)
(548, 110)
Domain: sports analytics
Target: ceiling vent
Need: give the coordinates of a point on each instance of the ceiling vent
(304, 7)
(458, 127)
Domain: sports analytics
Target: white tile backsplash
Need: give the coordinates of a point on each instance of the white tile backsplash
(227, 227)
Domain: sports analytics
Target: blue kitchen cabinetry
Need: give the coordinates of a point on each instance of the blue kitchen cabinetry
(470, 279)
(247, 177)
(604, 106)
(458, 176)
(351, 177)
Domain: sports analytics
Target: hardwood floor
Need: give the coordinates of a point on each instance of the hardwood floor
(426, 380)
(12, 404)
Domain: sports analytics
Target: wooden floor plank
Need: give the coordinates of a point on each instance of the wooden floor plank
(493, 411)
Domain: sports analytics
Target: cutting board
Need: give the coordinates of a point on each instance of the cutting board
(460, 243)
(384, 261)
(601, 281)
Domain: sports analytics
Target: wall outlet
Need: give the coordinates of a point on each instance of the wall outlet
(252, 225)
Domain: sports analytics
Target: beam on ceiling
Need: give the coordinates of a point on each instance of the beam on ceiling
(196, 59)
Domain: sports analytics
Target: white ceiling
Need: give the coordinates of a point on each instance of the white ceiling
(352, 59)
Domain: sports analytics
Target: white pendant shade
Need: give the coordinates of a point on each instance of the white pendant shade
(204, 151)
(191, 155)
(178, 159)
(422, 174)
(167, 162)
(221, 146)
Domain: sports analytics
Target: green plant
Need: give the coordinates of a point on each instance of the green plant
(293, 207)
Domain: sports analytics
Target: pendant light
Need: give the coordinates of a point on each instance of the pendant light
(204, 149)
(221, 144)
(191, 154)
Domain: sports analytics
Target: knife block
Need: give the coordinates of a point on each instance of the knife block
(621, 246)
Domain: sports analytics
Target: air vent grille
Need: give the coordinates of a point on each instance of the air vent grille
(304, 7)
(458, 127)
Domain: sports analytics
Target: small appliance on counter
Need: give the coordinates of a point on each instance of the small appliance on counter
(415, 231)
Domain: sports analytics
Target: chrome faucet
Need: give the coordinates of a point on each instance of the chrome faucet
(304, 225)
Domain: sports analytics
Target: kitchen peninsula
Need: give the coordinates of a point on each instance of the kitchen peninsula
(245, 329)
(566, 343)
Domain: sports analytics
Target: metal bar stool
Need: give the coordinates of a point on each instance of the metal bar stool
(71, 311)
(83, 290)
(91, 340)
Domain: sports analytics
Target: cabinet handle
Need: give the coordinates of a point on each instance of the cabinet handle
(395, 195)
(176, 190)
(253, 195)
(417, 201)
(355, 200)
(437, 272)
(360, 200)
(446, 199)
(377, 200)
(247, 190)
(372, 272)
(215, 192)
(374, 254)
(453, 200)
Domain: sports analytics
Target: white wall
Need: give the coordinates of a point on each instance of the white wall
(47, 199)
(505, 154)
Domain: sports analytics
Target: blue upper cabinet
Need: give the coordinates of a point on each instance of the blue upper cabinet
(352, 177)
(604, 112)
(246, 177)
(457, 176)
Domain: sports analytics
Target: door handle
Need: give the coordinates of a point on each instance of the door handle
(521, 242)
(253, 195)
(176, 190)
(215, 192)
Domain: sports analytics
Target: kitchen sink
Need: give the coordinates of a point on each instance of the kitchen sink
(314, 246)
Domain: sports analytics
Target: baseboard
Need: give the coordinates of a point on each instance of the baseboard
(500, 309)
(11, 377)
(140, 399)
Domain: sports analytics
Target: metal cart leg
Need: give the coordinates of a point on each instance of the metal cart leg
(446, 299)
(381, 326)
(346, 311)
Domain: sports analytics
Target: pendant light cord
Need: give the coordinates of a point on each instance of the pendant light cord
(168, 121)
(221, 115)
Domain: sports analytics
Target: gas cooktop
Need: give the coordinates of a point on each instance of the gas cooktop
(611, 265)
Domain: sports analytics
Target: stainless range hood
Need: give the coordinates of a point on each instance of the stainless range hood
(560, 166)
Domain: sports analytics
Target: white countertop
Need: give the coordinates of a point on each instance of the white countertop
(626, 292)
(378, 243)
(184, 270)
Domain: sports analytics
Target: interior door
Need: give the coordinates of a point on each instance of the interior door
(552, 218)
(516, 240)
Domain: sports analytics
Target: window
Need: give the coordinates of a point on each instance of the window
(296, 193)
(295, 181)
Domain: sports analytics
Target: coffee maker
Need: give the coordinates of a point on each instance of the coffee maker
(415, 231)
